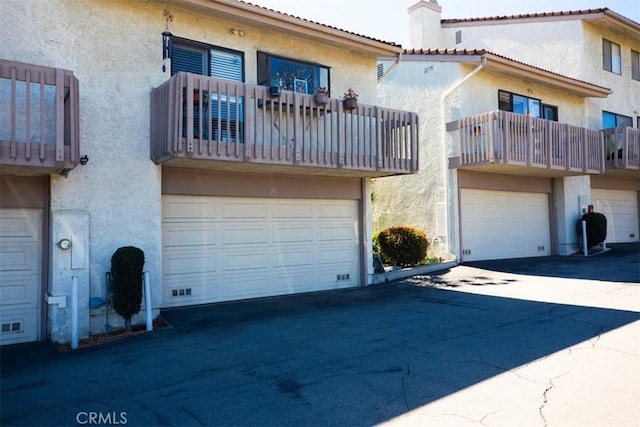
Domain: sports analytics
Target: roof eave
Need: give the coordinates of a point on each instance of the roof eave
(261, 15)
(525, 72)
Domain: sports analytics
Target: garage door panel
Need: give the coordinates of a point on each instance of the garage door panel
(621, 209)
(190, 234)
(191, 261)
(20, 224)
(18, 325)
(246, 259)
(244, 234)
(19, 256)
(503, 224)
(20, 275)
(290, 233)
(19, 289)
(241, 286)
(293, 209)
(293, 281)
(236, 210)
(292, 257)
(336, 232)
(261, 247)
(336, 210)
(186, 208)
(335, 254)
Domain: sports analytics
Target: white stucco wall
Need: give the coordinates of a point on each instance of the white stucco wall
(570, 47)
(420, 199)
(429, 199)
(114, 48)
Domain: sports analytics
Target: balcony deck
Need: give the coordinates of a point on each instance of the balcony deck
(39, 119)
(244, 129)
(622, 151)
(504, 142)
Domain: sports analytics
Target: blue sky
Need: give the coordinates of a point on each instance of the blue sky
(388, 19)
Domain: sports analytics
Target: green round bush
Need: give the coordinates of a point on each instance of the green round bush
(405, 246)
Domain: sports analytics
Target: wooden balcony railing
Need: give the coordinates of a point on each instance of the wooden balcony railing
(508, 142)
(39, 119)
(198, 118)
(622, 150)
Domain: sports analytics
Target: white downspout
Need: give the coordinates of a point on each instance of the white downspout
(74, 312)
(395, 64)
(445, 95)
(147, 302)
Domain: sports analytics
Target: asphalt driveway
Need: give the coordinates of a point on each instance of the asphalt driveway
(466, 346)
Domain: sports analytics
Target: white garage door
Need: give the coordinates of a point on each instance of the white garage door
(20, 249)
(504, 224)
(229, 248)
(621, 209)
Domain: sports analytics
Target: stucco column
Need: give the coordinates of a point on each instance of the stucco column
(67, 262)
(570, 195)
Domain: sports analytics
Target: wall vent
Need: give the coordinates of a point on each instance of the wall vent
(12, 327)
(181, 292)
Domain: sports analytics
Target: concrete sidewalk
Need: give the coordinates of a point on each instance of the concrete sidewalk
(465, 346)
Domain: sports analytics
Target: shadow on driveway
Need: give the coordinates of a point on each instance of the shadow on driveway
(620, 264)
(355, 357)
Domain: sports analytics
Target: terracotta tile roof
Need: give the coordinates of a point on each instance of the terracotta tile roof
(321, 24)
(535, 15)
(475, 52)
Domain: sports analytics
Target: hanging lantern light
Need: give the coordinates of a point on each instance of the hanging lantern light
(167, 42)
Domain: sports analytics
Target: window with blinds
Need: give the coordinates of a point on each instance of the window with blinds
(223, 113)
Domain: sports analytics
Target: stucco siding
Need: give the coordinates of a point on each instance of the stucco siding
(114, 48)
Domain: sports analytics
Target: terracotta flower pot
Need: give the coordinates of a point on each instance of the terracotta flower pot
(350, 104)
(321, 99)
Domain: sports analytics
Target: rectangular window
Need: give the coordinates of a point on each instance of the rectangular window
(206, 60)
(635, 65)
(289, 74)
(612, 120)
(223, 113)
(611, 59)
(519, 104)
(550, 112)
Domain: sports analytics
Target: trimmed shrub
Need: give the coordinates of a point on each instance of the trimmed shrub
(596, 228)
(127, 264)
(405, 246)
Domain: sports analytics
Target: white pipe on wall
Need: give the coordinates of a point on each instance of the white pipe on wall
(74, 312)
(147, 301)
(585, 249)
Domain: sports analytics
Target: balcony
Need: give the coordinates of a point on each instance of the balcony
(204, 122)
(39, 119)
(510, 143)
(622, 151)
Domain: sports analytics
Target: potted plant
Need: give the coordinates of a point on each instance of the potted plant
(350, 100)
(274, 89)
(321, 96)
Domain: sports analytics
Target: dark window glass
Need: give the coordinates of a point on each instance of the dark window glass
(519, 104)
(289, 74)
(635, 65)
(611, 59)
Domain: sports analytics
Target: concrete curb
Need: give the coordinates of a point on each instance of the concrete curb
(389, 276)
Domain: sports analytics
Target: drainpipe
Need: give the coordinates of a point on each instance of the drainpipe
(445, 95)
(74, 312)
(147, 301)
(395, 64)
